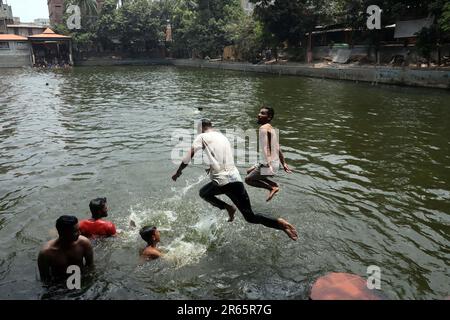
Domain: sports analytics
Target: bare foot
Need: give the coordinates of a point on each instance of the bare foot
(231, 212)
(272, 193)
(289, 229)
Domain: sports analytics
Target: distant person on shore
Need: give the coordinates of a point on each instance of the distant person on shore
(270, 156)
(151, 235)
(96, 227)
(227, 180)
(68, 249)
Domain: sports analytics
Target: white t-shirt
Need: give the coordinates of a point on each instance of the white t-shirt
(219, 157)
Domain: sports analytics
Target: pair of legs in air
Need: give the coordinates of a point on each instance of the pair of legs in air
(254, 178)
(238, 195)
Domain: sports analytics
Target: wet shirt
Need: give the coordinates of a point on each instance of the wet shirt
(270, 145)
(91, 228)
(219, 157)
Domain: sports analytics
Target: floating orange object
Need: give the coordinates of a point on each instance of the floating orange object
(342, 286)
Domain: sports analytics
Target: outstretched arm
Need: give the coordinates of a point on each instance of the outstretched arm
(183, 164)
(283, 162)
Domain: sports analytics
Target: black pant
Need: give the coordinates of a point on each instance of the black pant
(237, 193)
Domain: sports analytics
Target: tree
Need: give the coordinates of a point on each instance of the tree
(107, 27)
(289, 20)
(427, 39)
(444, 21)
(248, 37)
(204, 27)
(140, 26)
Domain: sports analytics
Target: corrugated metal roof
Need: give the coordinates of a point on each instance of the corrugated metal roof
(408, 29)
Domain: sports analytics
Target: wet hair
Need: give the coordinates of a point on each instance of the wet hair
(206, 123)
(147, 232)
(65, 222)
(270, 111)
(96, 205)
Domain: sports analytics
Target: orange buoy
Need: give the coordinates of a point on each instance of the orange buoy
(342, 286)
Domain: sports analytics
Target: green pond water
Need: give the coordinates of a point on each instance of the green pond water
(371, 182)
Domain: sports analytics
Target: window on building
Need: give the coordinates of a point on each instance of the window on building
(21, 46)
(30, 31)
(4, 45)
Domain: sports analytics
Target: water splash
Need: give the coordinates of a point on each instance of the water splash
(189, 185)
(181, 253)
(192, 241)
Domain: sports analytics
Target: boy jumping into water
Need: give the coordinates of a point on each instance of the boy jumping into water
(227, 180)
(270, 156)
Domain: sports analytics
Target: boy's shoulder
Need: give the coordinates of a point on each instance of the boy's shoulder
(266, 127)
(152, 253)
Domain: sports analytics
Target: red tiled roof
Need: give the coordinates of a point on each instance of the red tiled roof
(48, 34)
(11, 37)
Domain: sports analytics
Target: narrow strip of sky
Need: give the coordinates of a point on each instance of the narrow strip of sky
(28, 10)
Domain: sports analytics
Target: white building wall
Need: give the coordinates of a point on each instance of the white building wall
(18, 55)
(5, 11)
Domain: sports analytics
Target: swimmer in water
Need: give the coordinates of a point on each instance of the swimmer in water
(227, 180)
(96, 227)
(70, 248)
(151, 235)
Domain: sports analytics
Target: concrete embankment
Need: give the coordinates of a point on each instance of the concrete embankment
(373, 74)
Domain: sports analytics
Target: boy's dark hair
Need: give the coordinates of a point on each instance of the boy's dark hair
(147, 232)
(65, 222)
(206, 123)
(270, 111)
(96, 205)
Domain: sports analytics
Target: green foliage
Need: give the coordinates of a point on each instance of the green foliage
(139, 25)
(204, 27)
(444, 21)
(248, 36)
(288, 20)
(427, 42)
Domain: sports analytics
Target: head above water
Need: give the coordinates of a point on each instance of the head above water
(98, 208)
(266, 115)
(204, 125)
(150, 234)
(67, 227)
